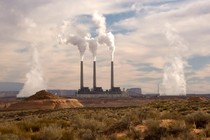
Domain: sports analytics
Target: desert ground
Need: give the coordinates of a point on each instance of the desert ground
(114, 119)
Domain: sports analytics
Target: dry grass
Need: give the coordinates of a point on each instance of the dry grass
(164, 120)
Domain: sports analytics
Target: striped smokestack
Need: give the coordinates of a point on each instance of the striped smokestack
(112, 74)
(81, 75)
(94, 74)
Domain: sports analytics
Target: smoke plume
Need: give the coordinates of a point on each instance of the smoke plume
(93, 45)
(100, 22)
(174, 82)
(80, 39)
(35, 81)
(104, 37)
(80, 42)
(61, 37)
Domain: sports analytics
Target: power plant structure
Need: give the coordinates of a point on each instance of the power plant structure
(95, 89)
(113, 90)
(82, 89)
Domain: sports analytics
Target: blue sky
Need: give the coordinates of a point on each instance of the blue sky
(139, 29)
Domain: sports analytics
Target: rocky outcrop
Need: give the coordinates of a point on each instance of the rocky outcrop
(45, 100)
(43, 94)
(46, 104)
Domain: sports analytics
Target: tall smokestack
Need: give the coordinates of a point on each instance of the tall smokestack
(94, 74)
(81, 75)
(112, 74)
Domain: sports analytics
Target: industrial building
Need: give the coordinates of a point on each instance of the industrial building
(95, 89)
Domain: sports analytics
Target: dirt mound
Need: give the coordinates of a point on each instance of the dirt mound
(43, 94)
(45, 100)
(46, 104)
(197, 98)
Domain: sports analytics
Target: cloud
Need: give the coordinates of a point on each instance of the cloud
(186, 17)
(139, 33)
(199, 62)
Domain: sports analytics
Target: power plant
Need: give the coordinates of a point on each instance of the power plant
(113, 89)
(95, 89)
(82, 89)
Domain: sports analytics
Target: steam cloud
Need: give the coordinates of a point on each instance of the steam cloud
(104, 37)
(93, 45)
(174, 82)
(83, 40)
(35, 81)
(80, 42)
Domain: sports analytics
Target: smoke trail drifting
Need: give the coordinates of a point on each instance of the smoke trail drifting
(100, 21)
(104, 37)
(83, 39)
(61, 37)
(174, 82)
(93, 45)
(35, 81)
(80, 42)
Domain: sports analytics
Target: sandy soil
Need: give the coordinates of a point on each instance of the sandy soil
(46, 104)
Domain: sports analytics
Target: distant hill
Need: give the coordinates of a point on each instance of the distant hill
(10, 86)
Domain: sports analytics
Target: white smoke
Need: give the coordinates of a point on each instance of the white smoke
(93, 45)
(34, 78)
(100, 22)
(61, 37)
(104, 37)
(174, 82)
(80, 42)
(80, 39)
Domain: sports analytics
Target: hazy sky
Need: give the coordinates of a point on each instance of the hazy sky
(139, 29)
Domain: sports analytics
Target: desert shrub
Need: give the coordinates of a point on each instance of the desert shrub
(87, 135)
(113, 137)
(207, 130)
(44, 122)
(170, 115)
(28, 126)
(200, 119)
(124, 138)
(182, 136)
(101, 137)
(183, 110)
(176, 131)
(68, 135)
(177, 128)
(135, 117)
(51, 132)
(134, 134)
(120, 125)
(154, 131)
(194, 108)
(10, 137)
(109, 121)
(99, 117)
(8, 128)
(91, 124)
(186, 136)
(152, 114)
(63, 124)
